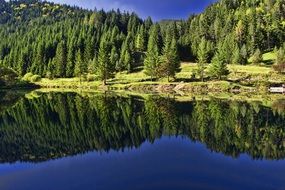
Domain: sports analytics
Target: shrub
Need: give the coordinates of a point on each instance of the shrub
(280, 68)
(257, 57)
(27, 77)
(91, 78)
(35, 78)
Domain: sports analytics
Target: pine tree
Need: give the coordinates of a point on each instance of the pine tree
(89, 50)
(114, 57)
(39, 60)
(152, 60)
(50, 69)
(105, 69)
(140, 39)
(70, 60)
(202, 58)
(280, 57)
(169, 60)
(128, 61)
(61, 60)
(236, 58)
(244, 55)
(22, 64)
(80, 67)
(219, 63)
(257, 57)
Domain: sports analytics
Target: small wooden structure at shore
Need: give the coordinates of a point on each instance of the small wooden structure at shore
(277, 89)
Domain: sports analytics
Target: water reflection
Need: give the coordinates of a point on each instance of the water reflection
(60, 124)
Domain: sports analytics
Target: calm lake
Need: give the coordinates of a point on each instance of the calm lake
(107, 141)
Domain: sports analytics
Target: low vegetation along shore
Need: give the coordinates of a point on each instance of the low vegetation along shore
(241, 79)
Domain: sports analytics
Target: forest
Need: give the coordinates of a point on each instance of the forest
(61, 41)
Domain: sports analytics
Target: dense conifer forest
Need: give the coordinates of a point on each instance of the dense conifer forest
(60, 41)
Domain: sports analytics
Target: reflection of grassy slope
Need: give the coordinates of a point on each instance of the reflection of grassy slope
(265, 99)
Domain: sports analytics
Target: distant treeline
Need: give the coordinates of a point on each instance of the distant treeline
(54, 40)
(57, 124)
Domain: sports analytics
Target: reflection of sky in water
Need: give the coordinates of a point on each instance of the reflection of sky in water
(170, 163)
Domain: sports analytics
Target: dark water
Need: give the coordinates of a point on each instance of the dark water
(107, 141)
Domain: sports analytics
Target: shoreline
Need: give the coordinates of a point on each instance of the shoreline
(156, 87)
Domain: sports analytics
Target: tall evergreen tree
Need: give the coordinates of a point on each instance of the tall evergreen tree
(257, 57)
(170, 63)
(202, 58)
(105, 69)
(218, 67)
(71, 55)
(80, 67)
(61, 60)
(140, 39)
(152, 60)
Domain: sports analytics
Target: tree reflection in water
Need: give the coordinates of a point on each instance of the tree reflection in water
(60, 124)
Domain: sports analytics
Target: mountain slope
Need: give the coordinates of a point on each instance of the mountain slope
(52, 40)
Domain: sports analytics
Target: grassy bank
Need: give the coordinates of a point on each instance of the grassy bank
(242, 78)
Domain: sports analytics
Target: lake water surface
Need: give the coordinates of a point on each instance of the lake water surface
(107, 141)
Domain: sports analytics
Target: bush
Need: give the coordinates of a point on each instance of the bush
(257, 57)
(280, 68)
(27, 77)
(91, 78)
(35, 78)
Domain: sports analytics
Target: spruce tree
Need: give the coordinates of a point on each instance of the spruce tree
(280, 57)
(61, 60)
(218, 67)
(244, 55)
(202, 58)
(114, 57)
(70, 60)
(152, 60)
(80, 67)
(236, 58)
(104, 69)
(39, 60)
(169, 60)
(257, 57)
(140, 39)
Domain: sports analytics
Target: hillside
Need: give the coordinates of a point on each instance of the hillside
(60, 41)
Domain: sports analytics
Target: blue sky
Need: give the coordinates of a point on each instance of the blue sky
(157, 9)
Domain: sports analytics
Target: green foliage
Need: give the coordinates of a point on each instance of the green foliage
(152, 60)
(80, 69)
(35, 78)
(7, 76)
(169, 59)
(104, 68)
(257, 57)
(280, 61)
(280, 58)
(27, 76)
(30, 77)
(218, 67)
(237, 57)
(103, 122)
(60, 60)
(44, 38)
(202, 58)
